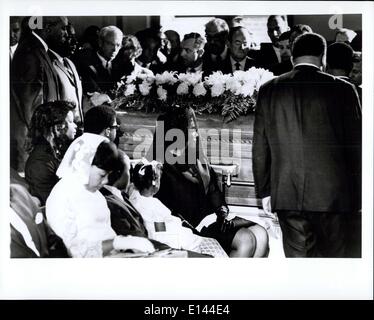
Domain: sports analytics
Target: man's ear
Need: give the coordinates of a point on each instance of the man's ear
(107, 132)
(200, 52)
(228, 44)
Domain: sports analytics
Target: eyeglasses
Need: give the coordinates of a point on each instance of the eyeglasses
(116, 127)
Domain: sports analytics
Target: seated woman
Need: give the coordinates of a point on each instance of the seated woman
(159, 222)
(189, 186)
(77, 212)
(52, 130)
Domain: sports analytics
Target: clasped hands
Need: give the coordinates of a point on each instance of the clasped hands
(224, 224)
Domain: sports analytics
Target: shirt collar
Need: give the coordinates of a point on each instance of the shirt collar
(234, 62)
(41, 40)
(104, 61)
(306, 64)
(13, 50)
(59, 58)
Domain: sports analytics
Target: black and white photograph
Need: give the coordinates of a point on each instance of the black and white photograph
(137, 132)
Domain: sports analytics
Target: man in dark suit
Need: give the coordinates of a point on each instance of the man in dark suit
(307, 153)
(216, 50)
(33, 81)
(239, 44)
(69, 80)
(14, 35)
(96, 68)
(151, 56)
(285, 52)
(191, 56)
(27, 225)
(269, 53)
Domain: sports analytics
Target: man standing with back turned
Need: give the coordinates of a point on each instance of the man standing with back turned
(307, 153)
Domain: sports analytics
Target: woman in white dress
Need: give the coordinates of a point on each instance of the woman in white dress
(158, 220)
(77, 212)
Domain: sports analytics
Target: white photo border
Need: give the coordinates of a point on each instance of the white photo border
(242, 279)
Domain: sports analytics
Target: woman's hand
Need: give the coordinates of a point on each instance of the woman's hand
(224, 224)
(137, 244)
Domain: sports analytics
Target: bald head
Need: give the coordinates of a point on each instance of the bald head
(54, 31)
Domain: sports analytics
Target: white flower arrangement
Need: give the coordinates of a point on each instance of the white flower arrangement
(231, 95)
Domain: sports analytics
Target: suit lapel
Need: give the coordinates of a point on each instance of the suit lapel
(52, 73)
(64, 70)
(78, 84)
(249, 63)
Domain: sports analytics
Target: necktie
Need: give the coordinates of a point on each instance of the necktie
(237, 66)
(108, 66)
(67, 67)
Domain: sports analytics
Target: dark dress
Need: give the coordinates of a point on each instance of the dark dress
(193, 192)
(40, 171)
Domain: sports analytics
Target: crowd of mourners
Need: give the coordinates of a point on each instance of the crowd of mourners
(74, 193)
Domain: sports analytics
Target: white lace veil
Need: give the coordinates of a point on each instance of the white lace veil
(78, 158)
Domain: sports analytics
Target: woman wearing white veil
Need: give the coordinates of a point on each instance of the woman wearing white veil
(77, 211)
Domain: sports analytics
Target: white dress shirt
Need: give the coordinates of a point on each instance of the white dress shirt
(107, 64)
(12, 49)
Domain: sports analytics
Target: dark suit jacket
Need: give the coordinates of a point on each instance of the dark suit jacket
(283, 67)
(211, 66)
(125, 219)
(227, 66)
(26, 208)
(33, 81)
(95, 78)
(69, 83)
(267, 58)
(307, 142)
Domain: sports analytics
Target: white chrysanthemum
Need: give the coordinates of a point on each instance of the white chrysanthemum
(233, 85)
(217, 89)
(145, 88)
(166, 78)
(216, 78)
(190, 78)
(131, 78)
(247, 89)
(265, 77)
(162, 93)
(182, 88)
(130, 89)
(199, 90)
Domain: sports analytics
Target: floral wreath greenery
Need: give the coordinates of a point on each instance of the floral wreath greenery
(230, 95)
